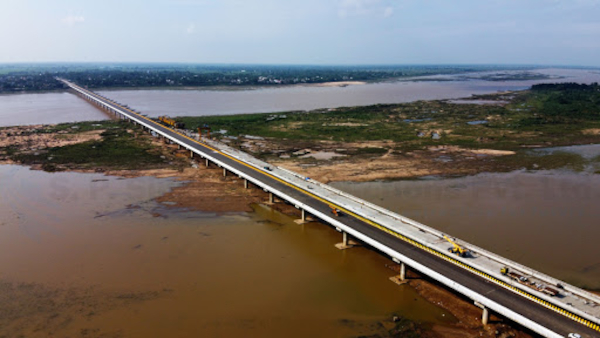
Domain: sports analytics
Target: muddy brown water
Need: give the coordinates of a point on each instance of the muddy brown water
(20, 109)
(83, 255)
(46, 108)
(225, 102)
(546, 220)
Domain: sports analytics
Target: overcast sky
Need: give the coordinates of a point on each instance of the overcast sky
(565, 32)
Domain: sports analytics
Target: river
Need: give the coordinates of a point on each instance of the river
(19, 109)
(545, 220)
(87, 253)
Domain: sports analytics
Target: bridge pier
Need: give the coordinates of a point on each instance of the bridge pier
(271, 198)
(224, 172)
(402, 271)
(401, 277)
(346, 243)
(485, 314)
(207, 163)
(245, 183)
(302, 219)
(191, 154)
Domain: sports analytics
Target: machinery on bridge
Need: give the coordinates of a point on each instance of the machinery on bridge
(536, 285)
(170, 122)
(457, 249)
(335, 211)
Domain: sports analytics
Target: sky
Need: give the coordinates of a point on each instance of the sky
(544, 32)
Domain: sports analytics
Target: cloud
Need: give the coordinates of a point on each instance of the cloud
(348, 8)
(72, 20)
(191, 28)
(356, 7)
(388, 11)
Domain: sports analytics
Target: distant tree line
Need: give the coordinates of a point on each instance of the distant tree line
(37, 78)
(567, 86)
(565, 103)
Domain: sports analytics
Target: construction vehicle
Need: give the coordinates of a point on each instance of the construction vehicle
(335, 211)
(170, 122)
(457, 249)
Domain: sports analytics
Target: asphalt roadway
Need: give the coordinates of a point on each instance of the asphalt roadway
(527, 308)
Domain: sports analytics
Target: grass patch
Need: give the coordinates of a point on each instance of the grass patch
(118, 149)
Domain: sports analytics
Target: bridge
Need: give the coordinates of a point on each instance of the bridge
(545, 305)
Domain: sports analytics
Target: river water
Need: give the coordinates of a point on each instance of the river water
(22, 109)
(544, 220)
(86, 253)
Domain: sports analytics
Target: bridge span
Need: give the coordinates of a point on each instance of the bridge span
(527, 300)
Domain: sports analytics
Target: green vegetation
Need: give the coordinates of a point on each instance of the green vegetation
(119, 148)
(547, 116)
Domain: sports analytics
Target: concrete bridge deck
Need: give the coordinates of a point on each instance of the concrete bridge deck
(404, 240)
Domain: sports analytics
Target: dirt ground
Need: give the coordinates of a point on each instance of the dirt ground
(442, 160)
(28, 138)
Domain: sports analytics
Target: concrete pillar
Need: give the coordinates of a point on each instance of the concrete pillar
(178, 146)
(207, 163)
(245, 183)
(191, 154)
(402, 271)
(485, 316)
(224, 172)
(345, 242)
(271, 199)
(302, 219)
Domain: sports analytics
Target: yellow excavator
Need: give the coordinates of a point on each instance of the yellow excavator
(457, 249)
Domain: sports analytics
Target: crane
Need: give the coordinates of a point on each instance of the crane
(457, 249)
